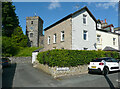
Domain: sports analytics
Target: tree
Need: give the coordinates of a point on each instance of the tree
(9, 19)
(18, 38)
(8, 48)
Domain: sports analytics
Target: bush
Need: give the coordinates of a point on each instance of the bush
(67, 58)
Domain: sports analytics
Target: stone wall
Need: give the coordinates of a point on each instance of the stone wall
(20, 59)
(58, 73)
(65, 26)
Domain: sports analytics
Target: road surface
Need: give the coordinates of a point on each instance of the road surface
(24, 75)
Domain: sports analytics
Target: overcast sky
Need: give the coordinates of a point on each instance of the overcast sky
(51, 12)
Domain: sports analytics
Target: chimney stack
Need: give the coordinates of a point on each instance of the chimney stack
(105, 21)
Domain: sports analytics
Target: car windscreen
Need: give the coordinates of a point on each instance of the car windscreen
(97, 60)
(4, 59)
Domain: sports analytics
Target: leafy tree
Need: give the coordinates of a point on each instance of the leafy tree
(13, 38)
(9, 19)
(18, 38)
(8, 48)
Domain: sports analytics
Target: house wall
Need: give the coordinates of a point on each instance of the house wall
(119, 41)
(78, 43)
(63, 26)
(107, 40)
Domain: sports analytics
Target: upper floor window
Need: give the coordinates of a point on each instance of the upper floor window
(84, 19)
(98, 25)
(48, 39)
(62, 36)
(31, 22)
(114, 40)
(85, 35)
(98, 39)
(31, 34)
(54, 38)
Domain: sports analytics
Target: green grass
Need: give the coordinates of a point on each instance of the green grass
(26, 52)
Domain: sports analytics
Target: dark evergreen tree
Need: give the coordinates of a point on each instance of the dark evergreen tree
(9, 19)
(18, 38)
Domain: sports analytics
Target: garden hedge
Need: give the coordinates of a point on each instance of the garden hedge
(67, 58)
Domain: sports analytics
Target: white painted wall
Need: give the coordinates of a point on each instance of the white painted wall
(107, 40)
(34, 56)
(77, 32)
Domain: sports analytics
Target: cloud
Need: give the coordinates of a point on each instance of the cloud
(107, 5)
(54, 4)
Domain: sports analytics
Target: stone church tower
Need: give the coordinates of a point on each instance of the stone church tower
(34, 31)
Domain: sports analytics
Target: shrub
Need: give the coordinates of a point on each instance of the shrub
(67, 58)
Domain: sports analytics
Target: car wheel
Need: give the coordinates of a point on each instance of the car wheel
(89, 72)
(105, 71)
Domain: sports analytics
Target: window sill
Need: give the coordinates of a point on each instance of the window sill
(85, 40)
(62, 41)
(84, 24)
(54, 43)
(99, 43)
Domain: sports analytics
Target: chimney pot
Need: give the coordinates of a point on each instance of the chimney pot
(105, 21)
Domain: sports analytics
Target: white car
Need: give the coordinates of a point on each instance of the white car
(104, 65)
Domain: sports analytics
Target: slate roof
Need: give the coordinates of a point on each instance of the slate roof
(38, 50)
(70, 15)
(108, 48)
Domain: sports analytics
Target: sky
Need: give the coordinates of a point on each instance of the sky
(50, 12)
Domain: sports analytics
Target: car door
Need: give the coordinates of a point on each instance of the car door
(112, 64)
(115, 64)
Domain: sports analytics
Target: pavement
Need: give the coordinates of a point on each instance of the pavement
(24, 75)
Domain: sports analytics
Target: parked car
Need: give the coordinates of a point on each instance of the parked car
(104, 65)
(5, 62)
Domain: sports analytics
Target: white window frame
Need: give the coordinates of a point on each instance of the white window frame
(86, 35)
(62, 36)
(114, 41)
(84, 18)
(98, 42)
(54, 38)
(48, 39)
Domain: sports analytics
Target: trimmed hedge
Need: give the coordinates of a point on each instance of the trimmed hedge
(67, 58)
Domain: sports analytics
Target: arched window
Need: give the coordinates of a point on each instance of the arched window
(31, 34)
(31, 43)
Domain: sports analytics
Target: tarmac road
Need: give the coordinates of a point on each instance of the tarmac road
(24, 75)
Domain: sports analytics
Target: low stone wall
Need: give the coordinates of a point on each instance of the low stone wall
(58, 73)
(20, 59)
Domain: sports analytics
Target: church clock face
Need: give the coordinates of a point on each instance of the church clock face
(31, 28)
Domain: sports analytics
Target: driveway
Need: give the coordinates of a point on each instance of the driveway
(24, 75)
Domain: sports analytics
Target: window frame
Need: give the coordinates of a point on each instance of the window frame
(62, 36)
(114, 41)
(48, 39)
(99, 39)
(85, 34)
(84, 19)
(31, 35)
(31, 22)
(54, 38)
